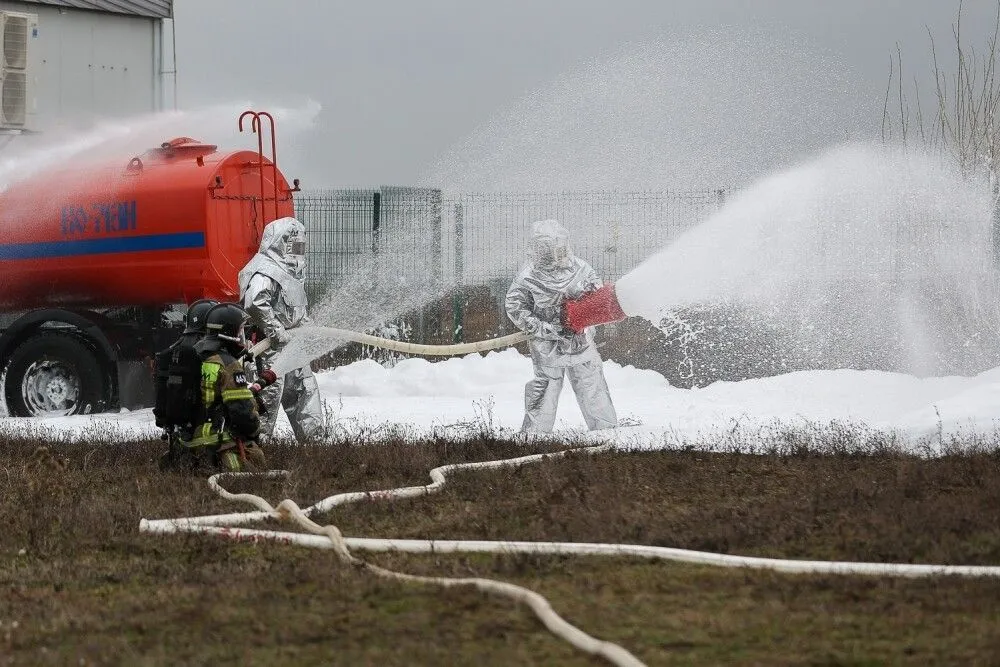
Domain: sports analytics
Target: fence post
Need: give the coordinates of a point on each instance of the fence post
(458, 295)
(437, 240)
(438, 316)
(376, 220)
(499, 290)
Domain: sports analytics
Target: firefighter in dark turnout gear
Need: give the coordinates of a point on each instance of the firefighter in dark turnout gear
(178, 381)
(227, 435)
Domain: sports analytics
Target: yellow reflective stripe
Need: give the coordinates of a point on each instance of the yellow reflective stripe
(211, 439)
(231, 461)
(203, 436)
(209, 378)
(204, 433)
(199, 442)
(236, 395)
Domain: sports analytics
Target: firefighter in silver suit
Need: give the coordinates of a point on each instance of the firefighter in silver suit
(534, 304)
(272, 289)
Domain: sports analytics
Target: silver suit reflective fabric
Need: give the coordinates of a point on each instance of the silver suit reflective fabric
(298, 393)
(275, 270)
(272, 288)
(534, 305)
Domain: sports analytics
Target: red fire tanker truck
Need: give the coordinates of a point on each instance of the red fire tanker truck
(97, 263)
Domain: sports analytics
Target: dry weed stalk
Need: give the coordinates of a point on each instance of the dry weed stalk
(963, 125)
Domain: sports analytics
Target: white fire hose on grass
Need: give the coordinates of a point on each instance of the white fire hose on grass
(329, 536)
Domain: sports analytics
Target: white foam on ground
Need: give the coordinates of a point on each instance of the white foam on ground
(459, 396)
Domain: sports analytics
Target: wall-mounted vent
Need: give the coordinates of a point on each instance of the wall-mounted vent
(14, 99)
(17, 31)
(15, 40)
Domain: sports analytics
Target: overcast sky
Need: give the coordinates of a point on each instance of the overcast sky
(404, 84)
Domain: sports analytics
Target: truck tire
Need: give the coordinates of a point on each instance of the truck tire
(54, 374)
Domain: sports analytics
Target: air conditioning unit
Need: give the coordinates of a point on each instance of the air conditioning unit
(15, 39)
(17, 69)
(14, 99)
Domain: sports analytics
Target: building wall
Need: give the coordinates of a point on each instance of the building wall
(159, 8)
(90, 65)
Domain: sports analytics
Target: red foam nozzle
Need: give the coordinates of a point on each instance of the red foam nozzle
(598, 307)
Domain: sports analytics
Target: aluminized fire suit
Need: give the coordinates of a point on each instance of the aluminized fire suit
(534, 305)
(272, 289)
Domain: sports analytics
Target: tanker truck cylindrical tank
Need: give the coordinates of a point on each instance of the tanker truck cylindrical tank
(170, 226)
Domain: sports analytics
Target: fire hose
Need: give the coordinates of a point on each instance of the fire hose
(411, 348)
(599, 306)
(330, 537)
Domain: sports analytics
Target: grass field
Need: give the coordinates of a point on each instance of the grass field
(79, 585)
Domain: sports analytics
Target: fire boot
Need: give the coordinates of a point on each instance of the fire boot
(598, 307)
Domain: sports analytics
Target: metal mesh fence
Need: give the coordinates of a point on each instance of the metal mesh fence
(613, 231)
(478, 239)
(342, 227)
(439, 266)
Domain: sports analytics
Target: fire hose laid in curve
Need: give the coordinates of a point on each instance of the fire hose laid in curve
(329, 537)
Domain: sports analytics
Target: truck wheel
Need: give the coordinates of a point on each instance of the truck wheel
(53, 374)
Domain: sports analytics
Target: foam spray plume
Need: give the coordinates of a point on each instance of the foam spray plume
(123, 138)
(717, 108)
(865, 258)
(647, 116)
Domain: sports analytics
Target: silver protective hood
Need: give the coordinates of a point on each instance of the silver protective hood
(534, 300)
(550, 245)
(284, 241)
(272, 286)
(275, 261)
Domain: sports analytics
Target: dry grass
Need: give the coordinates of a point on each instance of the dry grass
(80, 585)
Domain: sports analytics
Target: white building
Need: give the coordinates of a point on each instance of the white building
(66, 62)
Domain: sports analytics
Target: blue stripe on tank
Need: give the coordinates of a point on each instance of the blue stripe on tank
(112, 245)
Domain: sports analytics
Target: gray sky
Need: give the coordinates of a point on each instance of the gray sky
(404, 84)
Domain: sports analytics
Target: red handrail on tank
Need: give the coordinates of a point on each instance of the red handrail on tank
(256, 128)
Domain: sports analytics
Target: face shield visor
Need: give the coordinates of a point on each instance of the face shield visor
(295, 252)
(551, 252)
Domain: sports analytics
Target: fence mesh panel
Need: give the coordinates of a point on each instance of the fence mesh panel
(479, 239)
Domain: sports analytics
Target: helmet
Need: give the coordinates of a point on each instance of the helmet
(226, 321)
(194, 320)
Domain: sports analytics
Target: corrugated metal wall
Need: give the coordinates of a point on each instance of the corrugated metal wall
(151, 8)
